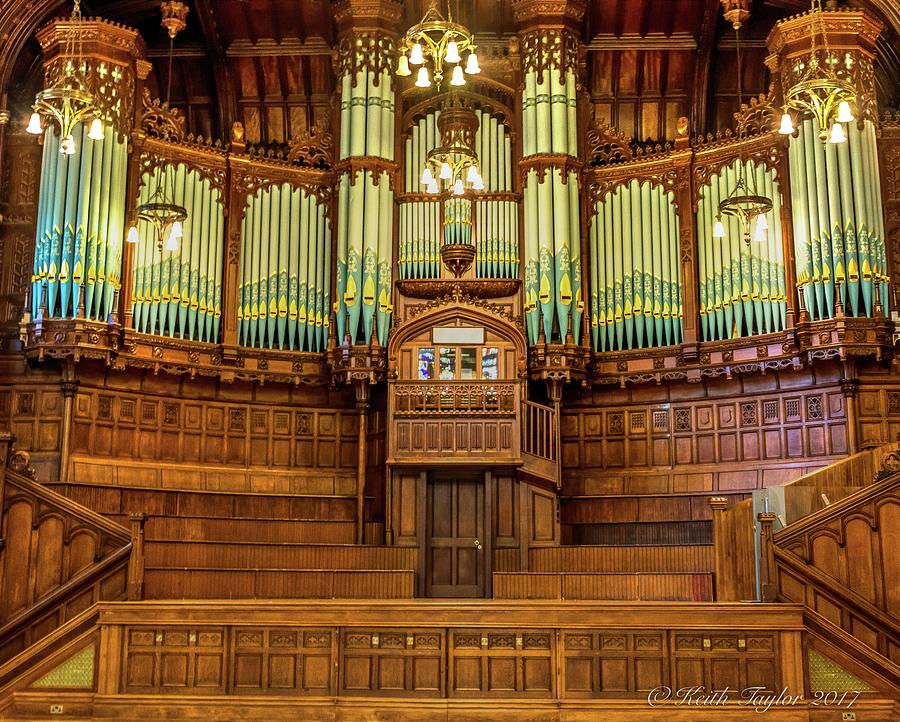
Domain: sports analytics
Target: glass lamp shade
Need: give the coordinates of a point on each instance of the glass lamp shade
(845, 115)
(837, 134)
(458, 188)
(67, 147)
(432, 187)
(452, 55)
(472, 67)
(177, 230)
(416, 56)
(472, 174)
(132, 236)
(427, 176)
(762, 222)
(172, 241)
(787, 124)
(478, 184)
(403, 66)
(422, 79)
(759, 235)
(34, 125)
(719, 229)
(96, 131)
(457, 78)
(446, 173)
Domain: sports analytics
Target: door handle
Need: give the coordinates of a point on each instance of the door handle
(478, 545)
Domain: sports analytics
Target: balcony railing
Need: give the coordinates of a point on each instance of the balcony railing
(455, 398)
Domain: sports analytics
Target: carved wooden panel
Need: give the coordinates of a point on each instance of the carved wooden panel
(181, 660)
(728, 436)
(34, 413)
(457, 437)
(275, 661)
(879, 408)
(501, 663)
(201, 430)
(406, 662)
(613, 663)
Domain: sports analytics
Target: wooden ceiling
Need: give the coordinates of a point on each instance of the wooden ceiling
(268, 63)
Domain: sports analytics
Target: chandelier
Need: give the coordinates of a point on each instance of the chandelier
(434, 41)
(454, 163)
(68, 103)
(160, 210)
(743, 202)
(820, 91)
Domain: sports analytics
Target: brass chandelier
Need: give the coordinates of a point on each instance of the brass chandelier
(743, 203)
(160, 210)
(820, 91)
(69, 102)
(436, 40)
(454, 163)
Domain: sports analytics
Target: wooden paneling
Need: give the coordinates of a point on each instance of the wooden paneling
(672, 587)
(33, 412)
(406, 662)
(218, 583)
(282, 531)
(438, 438)
(621, 508)
(650, 532)
(734, 550)
(659, 559)
(456, 537)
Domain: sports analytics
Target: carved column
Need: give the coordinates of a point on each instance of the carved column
(361, 388)
(236, 201)
(81, 216)
(366, 56)
(850, 389)
(69, 389)
(549, 35)
(836, 207)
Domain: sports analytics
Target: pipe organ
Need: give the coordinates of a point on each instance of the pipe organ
(284, 291)
(742, 286)
(635, 270)
(838, 221)
(80, 227)
(490, 220)
(179, 293)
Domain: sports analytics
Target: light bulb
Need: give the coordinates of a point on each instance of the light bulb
(177, 231)
(761, 222)
(472, 67)
(432, 187)
(478, 184)
(422, 79)
(96, 131)
(759, 235)
(472, 174)
(172, 241)
(837, 134)
(458, 188)
(67, 147)
(845, 115)
(446, 173)
(427, 176)
(452, 55)
(457, 78)
(403, 66)
(34, 125)
(132, 236)
(719, 229)
(787, 124)
(416, 57)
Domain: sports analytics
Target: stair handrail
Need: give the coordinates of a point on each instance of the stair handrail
(531, 409)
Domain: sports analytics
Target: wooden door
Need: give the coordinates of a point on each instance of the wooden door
(457, 543)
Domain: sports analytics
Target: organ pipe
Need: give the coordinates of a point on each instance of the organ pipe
(635, 269)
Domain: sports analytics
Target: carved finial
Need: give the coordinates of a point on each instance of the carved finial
(312, 149)
(20, 462)
(237, 132)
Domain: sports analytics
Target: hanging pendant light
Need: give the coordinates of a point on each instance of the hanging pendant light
(427, 176)
(96, 130)
(403, 66)
(787, 125)
(68, 102)
(719, 229)
(161, 211)
(436, 40)
(457, 78)
(837, 134)
(454, 162)
(422, 80)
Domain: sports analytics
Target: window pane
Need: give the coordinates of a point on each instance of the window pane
(426, 364)
(490, 363)
(448, 363)
(467, 363)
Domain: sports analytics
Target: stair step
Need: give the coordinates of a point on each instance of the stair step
(117, 500)
(264, 531)
(673, 587)
(639, 533)
(232, 556)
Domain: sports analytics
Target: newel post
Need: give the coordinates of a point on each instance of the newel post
(725, 583)
(135, 588)
(768, 579)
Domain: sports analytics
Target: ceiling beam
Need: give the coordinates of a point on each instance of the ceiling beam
(650, 41)
(224, 89)
(271, 47)
(706, 41)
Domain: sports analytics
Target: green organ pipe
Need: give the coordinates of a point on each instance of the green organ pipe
(80, 227)
(635, 269)
(420, 220)
(179, 293)
(838, 221)
(742, 288)
(284, 296)
(365, 208)
(551, 207)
